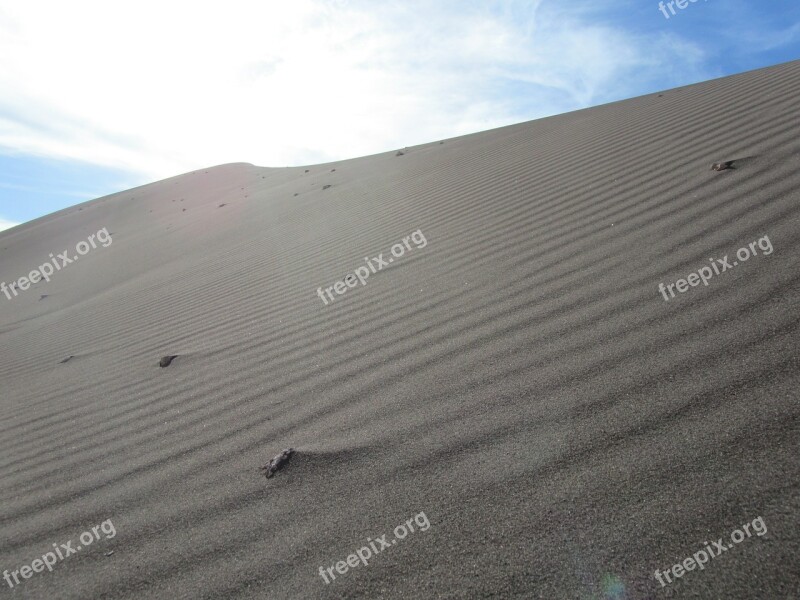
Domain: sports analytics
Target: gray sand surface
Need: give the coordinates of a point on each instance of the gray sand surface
(520, 379)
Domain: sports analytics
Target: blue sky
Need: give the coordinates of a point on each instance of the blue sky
(99, 97)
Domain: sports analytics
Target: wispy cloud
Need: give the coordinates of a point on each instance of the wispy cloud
(157, 88)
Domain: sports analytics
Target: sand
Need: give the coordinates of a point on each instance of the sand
(520, 380)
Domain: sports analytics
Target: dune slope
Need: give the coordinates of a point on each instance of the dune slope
(518, 381)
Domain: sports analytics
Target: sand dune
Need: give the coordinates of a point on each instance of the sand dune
(520, 379)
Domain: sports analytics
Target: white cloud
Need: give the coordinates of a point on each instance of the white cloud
(158, 88)
(4, 224)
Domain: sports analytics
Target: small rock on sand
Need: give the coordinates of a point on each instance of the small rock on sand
(167, 360)
(721, 166)
(277, 463)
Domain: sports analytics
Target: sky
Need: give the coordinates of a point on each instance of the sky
(97, 97)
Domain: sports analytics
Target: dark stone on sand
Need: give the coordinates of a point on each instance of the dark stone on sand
(221, 205)
(43, 296)
(721, 166)
(277, 463)
(66, 359)
(167, 360)
(325, 187)
(399, 153)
